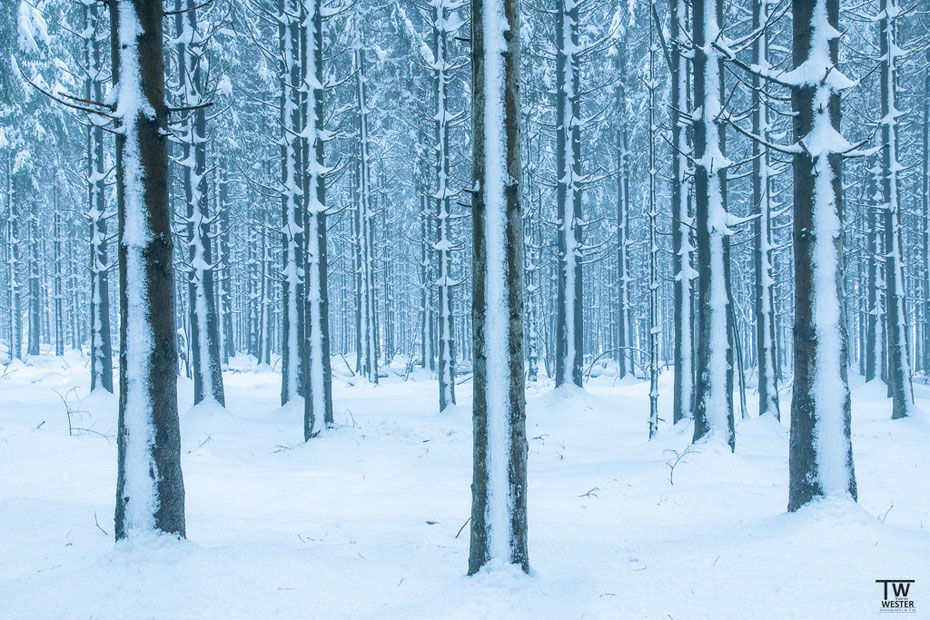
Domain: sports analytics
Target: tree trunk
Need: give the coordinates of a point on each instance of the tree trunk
(318, 402)
(713, 410)
(820, 453)
(150, 487)
(292, 289)
(762, 233)
(681, 230)
(498, 514)
(570, 312)
(442, 196)
(899, 366)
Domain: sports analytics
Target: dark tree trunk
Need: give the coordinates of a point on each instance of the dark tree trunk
(683, 390)
(820, 453)
(713, 408)
(498, 514)
(150, 487)
(101, 347)
(762, 233)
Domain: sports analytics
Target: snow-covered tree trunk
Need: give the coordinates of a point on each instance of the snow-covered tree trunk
(204, 332)
(32, 283)
(318, 393)
(764, 290)
(899, 366)
(624, 355)
(713, 406)
(683, 389)
(531, 268)
(58, 288)
(875, 333)
(364, 232)
(653, 215)
(427, 320)
(569, 315)
(292, 289)
(498, 513)
(820, 454)
(925, 211)
(223, 261)
(101, 348)
(150, 487)
(444, 24)
(12, 263)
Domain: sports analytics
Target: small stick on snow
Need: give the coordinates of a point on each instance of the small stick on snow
(97, 523)
(463, 527)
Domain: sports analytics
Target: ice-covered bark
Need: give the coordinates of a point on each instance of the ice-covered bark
(569, 314)
(899, 366)
(820, 454)
(150, 487)
(498, 514)
(713, 406)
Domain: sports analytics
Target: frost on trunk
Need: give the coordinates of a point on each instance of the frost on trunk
(149, 487)
(318, 395)
(569, 315)
(820, 453)
(368, 351)
(444, 24)
(899, 367)
(192, 136)
(292, 288)
(498, 513)
(101, 351)
(713, 410)
(762, 235)
(681, 221)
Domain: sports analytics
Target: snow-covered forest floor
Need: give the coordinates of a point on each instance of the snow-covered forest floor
(362, 522)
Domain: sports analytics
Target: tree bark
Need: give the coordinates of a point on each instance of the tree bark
(820, 452)
(150, 486)
(498, 515)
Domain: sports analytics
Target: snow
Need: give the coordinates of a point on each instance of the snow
(362, 521)
(32, 29)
